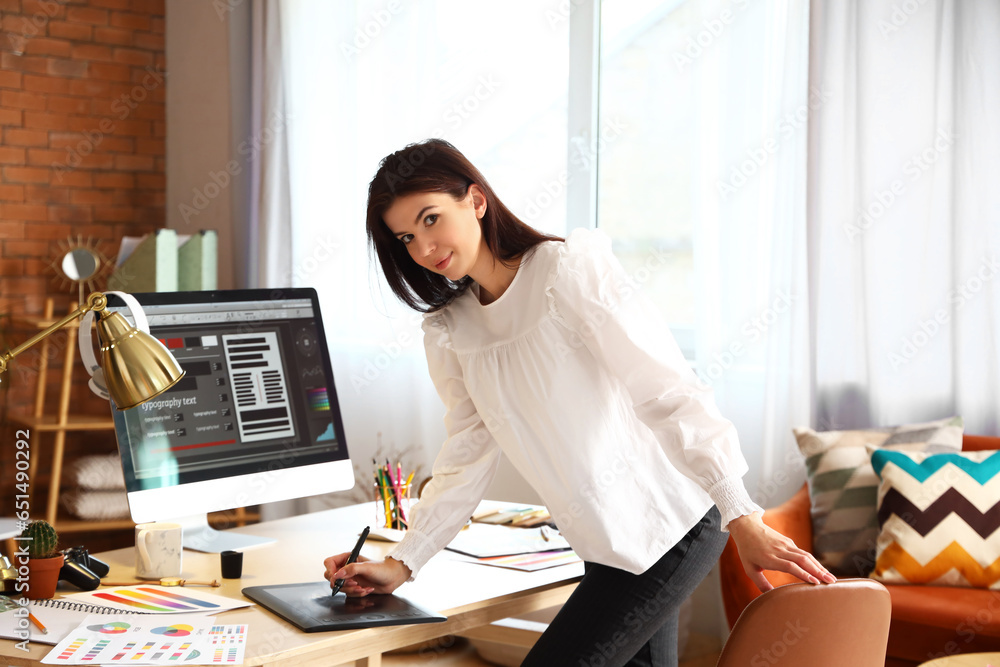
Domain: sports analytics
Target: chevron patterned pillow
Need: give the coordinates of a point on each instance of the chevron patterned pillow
(843, 487)
(939, 515)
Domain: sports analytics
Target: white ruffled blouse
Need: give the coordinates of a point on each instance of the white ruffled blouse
(577, 379)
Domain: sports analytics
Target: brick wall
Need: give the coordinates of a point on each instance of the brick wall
(82, 152)
(82, 89)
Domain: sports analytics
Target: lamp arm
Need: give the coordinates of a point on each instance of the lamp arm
(97, 302)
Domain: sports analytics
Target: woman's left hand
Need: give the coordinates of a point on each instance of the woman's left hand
(763, 548)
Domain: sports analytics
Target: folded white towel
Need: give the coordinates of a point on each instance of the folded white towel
(96, 505)
(102, 472)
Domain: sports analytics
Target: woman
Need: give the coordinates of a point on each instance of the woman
(542, 348)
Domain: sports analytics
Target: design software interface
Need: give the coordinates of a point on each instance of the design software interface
(257, 393)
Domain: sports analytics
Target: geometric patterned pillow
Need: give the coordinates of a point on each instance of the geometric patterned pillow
(843, 487)
(939, 515)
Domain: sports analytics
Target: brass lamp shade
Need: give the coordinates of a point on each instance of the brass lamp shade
(136, 366)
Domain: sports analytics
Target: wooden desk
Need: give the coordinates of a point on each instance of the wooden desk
(966, 660)
(470, 595)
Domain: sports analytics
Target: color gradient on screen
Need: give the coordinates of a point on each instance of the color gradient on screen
(319, 401)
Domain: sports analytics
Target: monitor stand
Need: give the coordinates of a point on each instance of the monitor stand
(199, 536)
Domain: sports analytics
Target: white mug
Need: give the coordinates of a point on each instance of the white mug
(158, 550)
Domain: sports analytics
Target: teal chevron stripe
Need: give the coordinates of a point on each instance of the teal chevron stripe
(982, 472)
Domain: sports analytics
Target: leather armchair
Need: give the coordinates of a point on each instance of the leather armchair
(927, 621)
(801, 624)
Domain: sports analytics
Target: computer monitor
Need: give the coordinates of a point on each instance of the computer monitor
(254, 420)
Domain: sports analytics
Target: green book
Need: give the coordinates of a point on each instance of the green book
(147, 264)
(198, 261)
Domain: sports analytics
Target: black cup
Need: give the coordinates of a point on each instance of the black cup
(232, 564)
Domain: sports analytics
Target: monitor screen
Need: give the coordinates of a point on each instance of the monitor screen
(255, 418)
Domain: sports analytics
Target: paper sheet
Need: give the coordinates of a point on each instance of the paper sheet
(159, 599)
(191, 639)
(484, 541)
(532, 562)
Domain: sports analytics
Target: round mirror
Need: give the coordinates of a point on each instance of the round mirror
(80, 264)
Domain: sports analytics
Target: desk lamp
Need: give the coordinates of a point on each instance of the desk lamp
(136, 366)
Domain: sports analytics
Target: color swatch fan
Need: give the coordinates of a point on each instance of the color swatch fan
(158, 600)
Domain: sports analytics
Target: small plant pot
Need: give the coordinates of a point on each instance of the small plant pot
(43, 575)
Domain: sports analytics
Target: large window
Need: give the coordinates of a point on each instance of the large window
(676, 126)
(647, 147)
(367, 78)
(701, 116)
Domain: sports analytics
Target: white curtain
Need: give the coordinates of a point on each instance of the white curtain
(904, 212)
(268, 258)
(844, 205)
(362, 80)
(748, 83)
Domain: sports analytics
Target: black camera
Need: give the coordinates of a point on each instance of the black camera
(83, 570)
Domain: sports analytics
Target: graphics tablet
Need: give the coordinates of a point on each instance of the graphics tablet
(311, 608)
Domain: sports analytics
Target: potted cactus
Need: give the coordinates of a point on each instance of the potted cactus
(44, 561)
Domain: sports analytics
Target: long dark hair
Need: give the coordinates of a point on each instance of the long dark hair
(435, 165)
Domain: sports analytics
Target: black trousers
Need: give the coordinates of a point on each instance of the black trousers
(616, 618)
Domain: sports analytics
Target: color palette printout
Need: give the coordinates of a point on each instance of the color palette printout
(103, 639)
(159, 600)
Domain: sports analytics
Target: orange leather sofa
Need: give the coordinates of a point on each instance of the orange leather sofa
(927, 621)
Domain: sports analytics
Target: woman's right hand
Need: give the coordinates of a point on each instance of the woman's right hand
(366, 576)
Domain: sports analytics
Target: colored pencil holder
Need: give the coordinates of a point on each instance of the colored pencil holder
(391, 512)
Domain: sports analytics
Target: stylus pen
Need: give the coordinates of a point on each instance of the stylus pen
(350, 559)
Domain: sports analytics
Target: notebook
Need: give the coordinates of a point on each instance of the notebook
(311, 608)
(57, 615)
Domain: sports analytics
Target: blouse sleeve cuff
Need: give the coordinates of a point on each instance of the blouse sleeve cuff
(413, 551)
(732, 499)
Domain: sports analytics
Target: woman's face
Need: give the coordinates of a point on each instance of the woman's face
(442, 234)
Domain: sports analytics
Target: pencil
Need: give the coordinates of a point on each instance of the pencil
(38, 623)
(385, 499)
(398, 486)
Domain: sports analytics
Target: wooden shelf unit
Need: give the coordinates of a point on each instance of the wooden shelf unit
(49, 423)
(59, 423)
